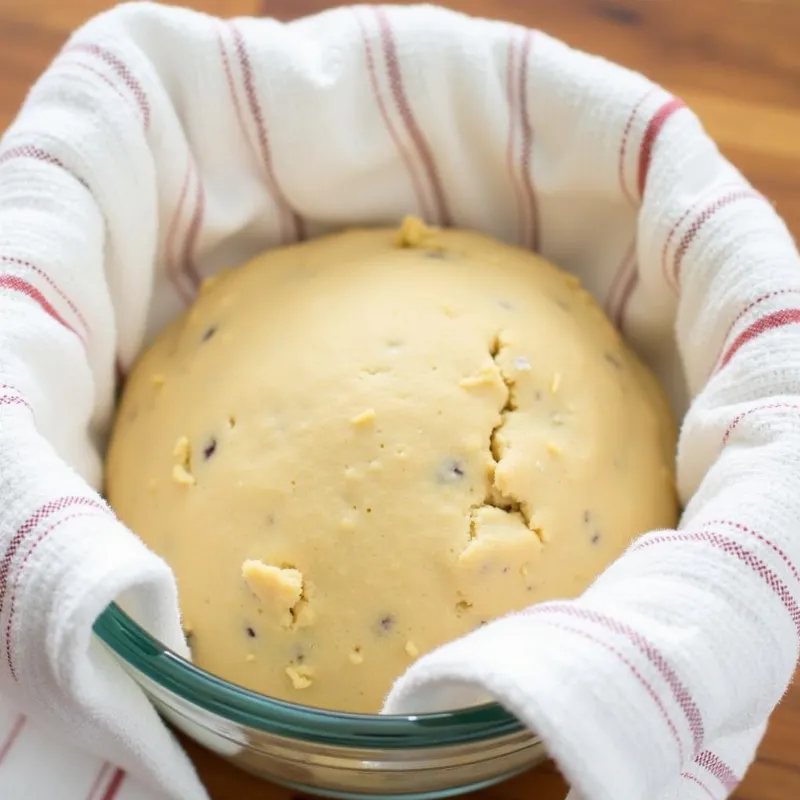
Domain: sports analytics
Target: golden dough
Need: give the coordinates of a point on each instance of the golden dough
(355, 449)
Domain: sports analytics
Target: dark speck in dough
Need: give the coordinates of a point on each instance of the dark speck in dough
(588, 520)
(451, 471)
(505, 304)
(210, 448)
(386, 622)
(250, 632)
(209, 332)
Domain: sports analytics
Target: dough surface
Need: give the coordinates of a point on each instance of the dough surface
(355, 449)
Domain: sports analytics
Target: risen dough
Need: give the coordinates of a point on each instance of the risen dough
(355, 449)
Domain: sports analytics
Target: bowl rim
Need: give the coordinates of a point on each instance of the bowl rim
(235, 704)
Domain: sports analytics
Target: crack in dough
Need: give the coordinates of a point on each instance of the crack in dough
(495, 498)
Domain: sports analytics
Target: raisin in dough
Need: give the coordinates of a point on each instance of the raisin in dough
(357, 448)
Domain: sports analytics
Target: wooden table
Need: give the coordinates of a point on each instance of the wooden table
(736, 62)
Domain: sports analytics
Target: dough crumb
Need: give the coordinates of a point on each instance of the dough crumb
(355, 656)
(278, 589)
(182, 476)
(553, 449)
(182, 451)
(364, 418)
(411, 649)
(555, 383)
(487, 375)
(300, 676)
(250, 658)
(413, 232)
(498, 534)
(158, 380)
(182, 471)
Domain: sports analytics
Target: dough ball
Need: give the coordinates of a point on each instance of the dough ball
(355, 449)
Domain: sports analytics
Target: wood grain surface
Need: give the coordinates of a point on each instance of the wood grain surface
(736, 62)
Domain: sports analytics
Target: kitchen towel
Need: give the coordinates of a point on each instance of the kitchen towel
(162, 144)
(70, 774)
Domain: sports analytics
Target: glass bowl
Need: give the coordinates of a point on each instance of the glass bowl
(323, 752)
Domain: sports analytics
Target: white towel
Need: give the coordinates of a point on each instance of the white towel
(163, 143)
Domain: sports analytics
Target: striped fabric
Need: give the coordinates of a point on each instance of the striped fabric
(71, 774)
(162, 145)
